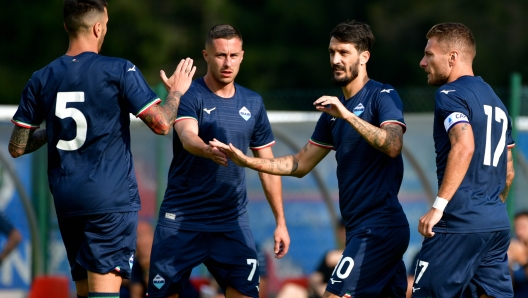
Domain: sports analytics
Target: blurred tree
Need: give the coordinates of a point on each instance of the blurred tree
(285, 42)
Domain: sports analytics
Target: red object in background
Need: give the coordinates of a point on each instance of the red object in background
(49, 286)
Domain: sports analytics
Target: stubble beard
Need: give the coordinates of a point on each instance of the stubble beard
(344, 81)
(437, 80)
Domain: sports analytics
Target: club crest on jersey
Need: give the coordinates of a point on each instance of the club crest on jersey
(359, 109)
(245, 113)
(158, 281)
(131, 261)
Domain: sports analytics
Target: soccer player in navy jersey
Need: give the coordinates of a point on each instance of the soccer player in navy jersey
(467, 229)
(85, 100)
(365, 127)
(203, 216)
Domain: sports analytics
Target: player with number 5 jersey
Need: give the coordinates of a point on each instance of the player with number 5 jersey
(86, 100)
(467, 229)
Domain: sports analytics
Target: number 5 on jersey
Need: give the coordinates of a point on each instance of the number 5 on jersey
(63, 112)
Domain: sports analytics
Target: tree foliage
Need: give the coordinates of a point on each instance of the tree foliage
(285, 42)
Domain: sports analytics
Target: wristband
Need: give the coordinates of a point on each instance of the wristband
(440, 203)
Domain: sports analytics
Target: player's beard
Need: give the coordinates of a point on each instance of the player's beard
(437, 80)
(354, 72)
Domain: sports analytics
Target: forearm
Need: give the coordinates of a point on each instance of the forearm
(283, 166)
(161, 118)
(24, 141)
(388, 140)
(272, 186)
(13, 240)
(193, 144)
(510, 174)
(457, 165)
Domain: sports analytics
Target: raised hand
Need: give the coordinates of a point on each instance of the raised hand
(181, 79)
(332, 105)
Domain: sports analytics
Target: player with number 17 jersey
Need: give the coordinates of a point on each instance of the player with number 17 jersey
(85, 101)
(476, 205)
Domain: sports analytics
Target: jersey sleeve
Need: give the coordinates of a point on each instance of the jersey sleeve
(29, 113)
(5, 225)
(136, 92)
(322, 135)
(262, 136)
(389, 107)
(189, 106)
(451, 108)
(509, 139)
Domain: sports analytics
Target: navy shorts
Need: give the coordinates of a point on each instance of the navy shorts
(229, 256)
(372, 264)
(463, 265)
(100, 243)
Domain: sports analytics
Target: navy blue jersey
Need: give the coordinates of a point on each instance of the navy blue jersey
(368, 179)
(476, 206)
(201, 195)
(85, 101)
(5, 225)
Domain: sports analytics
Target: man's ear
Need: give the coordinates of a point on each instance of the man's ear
(97, 29)
(204, 54)
(364, 57)
(453, 57)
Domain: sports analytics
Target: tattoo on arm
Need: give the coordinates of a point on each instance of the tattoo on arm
(510, 172)
(281, 165)
(24, 141)
(383, 139)
(161, 118)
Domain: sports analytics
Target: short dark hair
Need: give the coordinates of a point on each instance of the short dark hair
(354, 32)
(521, 214)
(75, 11)
(225, 31)
(454, 34)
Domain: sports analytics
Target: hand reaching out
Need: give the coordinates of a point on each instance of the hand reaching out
(181, 79)
(231, 151)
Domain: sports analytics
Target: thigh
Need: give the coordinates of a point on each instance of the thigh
(234, 263)
(71, 229)
(109, 243)
(447, 263)
(372, 264)
(175, 253)
(493, 274)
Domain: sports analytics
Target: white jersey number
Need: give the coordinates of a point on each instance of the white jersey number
(349, 262)
(423, 266)
(500, 116)
(63, 112)
(254, 263)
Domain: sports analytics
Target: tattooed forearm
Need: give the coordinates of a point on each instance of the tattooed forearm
(510, 174)
(388, 139)
(24, 141)
(285, 165)
(161, 118)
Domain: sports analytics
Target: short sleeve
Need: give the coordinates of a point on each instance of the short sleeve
(322, 135)
(451, 108)
(262, 136)
(5, 225)
(189, 106)
(389, 107)
(509, 139)
(137, 93)
(29, 113)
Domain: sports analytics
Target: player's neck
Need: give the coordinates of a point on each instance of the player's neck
(353, 87)
(219, 88)
(456, 73)
(80, 45)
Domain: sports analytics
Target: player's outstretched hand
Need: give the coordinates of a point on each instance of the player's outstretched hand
(231, 151)
(427, 222)
(282, 241)
(216, 155)
(181, 79)
(333, 106)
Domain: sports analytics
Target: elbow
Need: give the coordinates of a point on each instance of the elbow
(15, 152)
(299, 173)
(394, 152)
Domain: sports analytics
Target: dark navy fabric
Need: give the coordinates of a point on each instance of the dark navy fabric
(85, 101)
(201, 195)
(369, 180)
(463, 265)
(230, 257)
(100, 243)
(372, 265)
(5, 225)
(476, 206)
